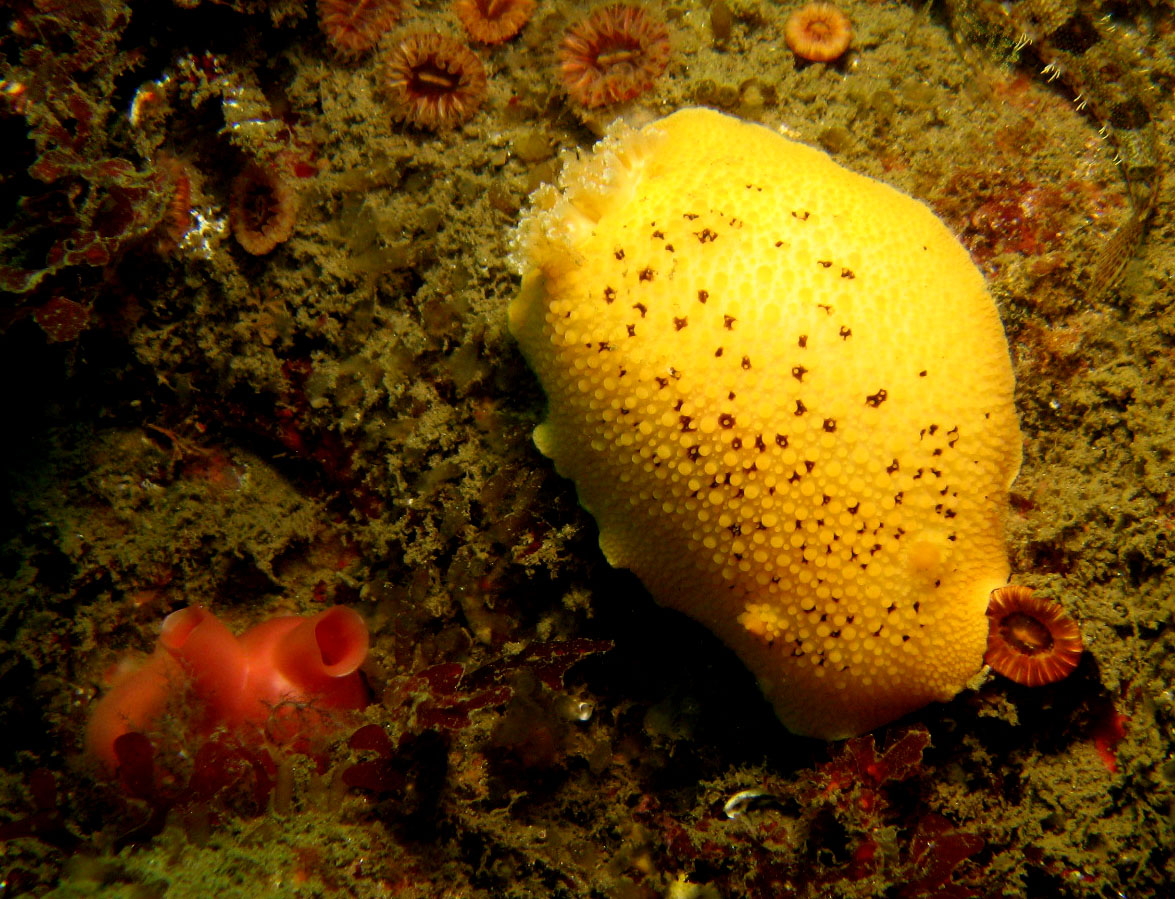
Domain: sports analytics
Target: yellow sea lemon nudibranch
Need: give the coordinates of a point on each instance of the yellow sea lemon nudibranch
(784, 393)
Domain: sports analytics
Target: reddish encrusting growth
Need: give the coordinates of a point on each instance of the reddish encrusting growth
(62, 319)
(613, 55)
(434, 82)
(1021, 221)
(1108, 731)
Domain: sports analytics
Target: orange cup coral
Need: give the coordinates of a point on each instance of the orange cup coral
(493, 21)
(434, 82)
(274, 681)
(1031, 640)
(819, 32)
(613, 55)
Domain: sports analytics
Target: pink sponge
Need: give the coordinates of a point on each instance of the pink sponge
(276, 681)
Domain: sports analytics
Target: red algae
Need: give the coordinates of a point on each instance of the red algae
(62, 319)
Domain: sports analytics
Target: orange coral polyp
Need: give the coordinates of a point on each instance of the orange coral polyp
(434, 82)
(819, 32)
(262, 209)
(493, 21)
(1030, 639)
(355, 26)
(613, 55)
(177, 217)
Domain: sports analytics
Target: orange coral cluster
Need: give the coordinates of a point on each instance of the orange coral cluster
(613, 55)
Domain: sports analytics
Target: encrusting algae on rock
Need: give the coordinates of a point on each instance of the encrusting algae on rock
(785, 394)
